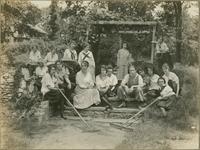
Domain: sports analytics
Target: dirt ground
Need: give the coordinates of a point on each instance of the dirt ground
(72, 134)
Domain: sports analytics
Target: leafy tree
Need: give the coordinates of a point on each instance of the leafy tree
(54, 27)
(17, 14)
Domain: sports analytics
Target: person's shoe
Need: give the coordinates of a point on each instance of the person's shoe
(123, 104)
(163, 112)
(63, 117)
(109, 108)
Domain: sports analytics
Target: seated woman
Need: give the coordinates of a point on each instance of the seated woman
(131, 86)
(40, 71)
(62, 74)
(50, 91)
(35, 57)
(85, 93)
(153, 89)
(167, 96)
(112, 81)
(171, 78)
(103, 85)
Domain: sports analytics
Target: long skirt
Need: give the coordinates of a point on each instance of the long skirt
(55, 99)
(167, 102)
(84, 98)
(122, 71)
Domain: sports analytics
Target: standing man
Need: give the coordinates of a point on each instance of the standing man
(123, 59)
(70, 53)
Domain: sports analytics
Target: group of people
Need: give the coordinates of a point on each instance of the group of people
(50, 76)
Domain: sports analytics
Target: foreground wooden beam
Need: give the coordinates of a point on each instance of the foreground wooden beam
(115, 110)
(151, 23)
(104, 120)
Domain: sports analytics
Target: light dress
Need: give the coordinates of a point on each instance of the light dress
(84, 95)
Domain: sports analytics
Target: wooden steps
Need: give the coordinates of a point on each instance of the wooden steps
(100, 112)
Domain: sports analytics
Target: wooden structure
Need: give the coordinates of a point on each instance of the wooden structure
(128, 27)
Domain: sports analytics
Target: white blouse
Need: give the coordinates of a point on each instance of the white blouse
(154, 82)
(35, 56)
(47, 80)
(49, 59)
(84, 81)
(87, 56)
(70, 55)
(112, 80)
(102, 83)
(41, 71)
(167, 91)
(172, 76)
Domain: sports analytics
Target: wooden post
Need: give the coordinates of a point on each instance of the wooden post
(120, 41)
(152, 44)
(87, 33)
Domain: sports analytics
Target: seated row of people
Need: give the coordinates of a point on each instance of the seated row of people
(88, 91)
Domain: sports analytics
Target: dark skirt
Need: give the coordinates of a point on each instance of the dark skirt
(167, 102)
(55, 99)
(53, 96)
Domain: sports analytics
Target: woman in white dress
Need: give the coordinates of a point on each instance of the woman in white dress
(85, 93)
(86, 55)
(123, 59)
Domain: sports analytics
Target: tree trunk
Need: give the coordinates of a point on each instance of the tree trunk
(178, 17)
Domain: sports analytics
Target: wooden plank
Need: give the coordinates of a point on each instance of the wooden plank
(107, 120)
(115, 110)
(134, 32)
(152, 23)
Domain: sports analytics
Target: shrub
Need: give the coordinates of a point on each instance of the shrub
(187, 105)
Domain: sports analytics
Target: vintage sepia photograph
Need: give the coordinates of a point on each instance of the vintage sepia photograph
(99, 74)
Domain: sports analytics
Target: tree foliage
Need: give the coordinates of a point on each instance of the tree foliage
(17, 14)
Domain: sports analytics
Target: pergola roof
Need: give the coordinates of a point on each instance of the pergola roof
(142, 23)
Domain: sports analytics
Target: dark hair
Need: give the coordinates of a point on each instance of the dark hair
(103, 67)
(152, 68)
(129, 66)
(85, 63)
(166, 65)
(58, 61)
(109, 67)
(161, 78)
